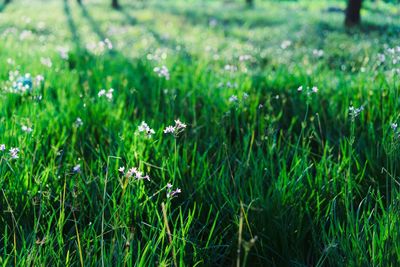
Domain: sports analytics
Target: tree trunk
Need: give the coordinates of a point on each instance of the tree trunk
(249, 2)
(353, 13)
(115, 4)
(79, 2)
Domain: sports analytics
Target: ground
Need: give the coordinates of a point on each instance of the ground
(282, 148)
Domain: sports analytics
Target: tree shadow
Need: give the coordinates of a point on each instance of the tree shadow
(366, 28)
(92, 23)
(234, 18)
(72, 26)
(4, 5)
(170, 43)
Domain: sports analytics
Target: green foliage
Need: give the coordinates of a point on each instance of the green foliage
(286, 176)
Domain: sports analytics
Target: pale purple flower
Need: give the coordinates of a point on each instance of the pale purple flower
(162, 72)
(175, 130)
(2, 147)
(233, 99)
(101, 93)
(77, 168)
(143, 127)
(169, 129)
(314, 89)
(179, 125)
(171, 193)
(134, 172)
(14, 152)
(26, 129)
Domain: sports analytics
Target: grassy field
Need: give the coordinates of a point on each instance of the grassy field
(283, 148)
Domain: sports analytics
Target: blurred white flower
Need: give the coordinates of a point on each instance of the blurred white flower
(26, 129)
(78, 122)
(77, 168)
(162, 72)
(233, 98)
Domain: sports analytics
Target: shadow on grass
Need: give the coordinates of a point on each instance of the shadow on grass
(168, 42)
(72, 26)
(4, 5)
(366, 28)
(93, 24)
(235, 17)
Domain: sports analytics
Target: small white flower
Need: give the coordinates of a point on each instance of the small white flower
(169, 129)
(101, 93)
(162, 72)
(121, 169)
(393, 126)
(14, 152)
(143, 127)
(108, 43)
(179, 125)
(354, 112)
(233, 98)
(78, 123)
(314, 89)
(46, 61)
(77, 168)
(109, 94)
(300, 88)
(177, 129)
(245, 96)
(2, 147)
(26, 129)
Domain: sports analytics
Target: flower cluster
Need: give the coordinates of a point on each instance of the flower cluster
(176, 129)
(134, 172)
(309, 90)
(162, 72)
(78, 122)
(18, 83)
(26, 129)
(354, 112)
(145, 128)
(171, 193)
(318, 53)
(13, 152)
(108, 94)
(100, 47)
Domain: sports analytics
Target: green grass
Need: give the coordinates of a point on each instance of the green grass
(276, 177)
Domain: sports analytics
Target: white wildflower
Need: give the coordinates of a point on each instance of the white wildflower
(26, 129)
(145, 128)
(233, 99)
(14, 152)
(77, 168)
(78, 123)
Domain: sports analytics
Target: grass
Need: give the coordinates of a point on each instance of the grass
(269, 175)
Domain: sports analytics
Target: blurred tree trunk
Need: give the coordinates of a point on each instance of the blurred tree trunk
(353, 12)
(115, 4)
(249, 2)
(79, 1)
(7, 2)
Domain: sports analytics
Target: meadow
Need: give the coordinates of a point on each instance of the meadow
(199, 133)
